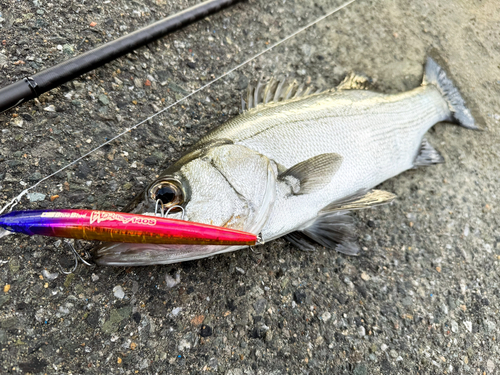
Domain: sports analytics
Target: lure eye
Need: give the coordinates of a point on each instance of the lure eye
(169, 192)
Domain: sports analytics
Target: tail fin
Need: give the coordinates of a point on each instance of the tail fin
(435, 75)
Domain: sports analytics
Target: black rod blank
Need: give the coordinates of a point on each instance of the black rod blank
(31, 87)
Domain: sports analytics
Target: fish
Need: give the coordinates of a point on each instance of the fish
(295, 164)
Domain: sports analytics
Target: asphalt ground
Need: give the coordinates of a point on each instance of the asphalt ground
(423, 296)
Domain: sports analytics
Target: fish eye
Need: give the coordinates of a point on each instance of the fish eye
(168, 191)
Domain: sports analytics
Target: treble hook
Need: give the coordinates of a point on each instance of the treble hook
(77, 257)
(259, 241)
(162, 213)
(253, 251)
(176, 206)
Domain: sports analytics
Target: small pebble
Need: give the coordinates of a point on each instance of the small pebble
(69, 49)
(171, 282)
(50, 276)
(36, 197)
(299, 297)
(18, 121)
(468, 325)
(361, 331)
(326, 316)
(118, 292)
(104, 99)
(197, 320)
(269, 336)
(3, 60)
(348, 282)
(206, 331)
(183, 344)
(137, 83)
(259, 306)
(490, 364)
(176, 311)
(137, 317)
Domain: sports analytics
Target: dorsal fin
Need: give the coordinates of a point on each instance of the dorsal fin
(275, 90)
(269, 91)
(287, 92)
(279, 90)
(355, 82)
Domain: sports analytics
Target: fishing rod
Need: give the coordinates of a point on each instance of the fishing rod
(33, 86)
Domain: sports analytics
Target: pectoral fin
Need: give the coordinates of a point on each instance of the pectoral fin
(312, 174)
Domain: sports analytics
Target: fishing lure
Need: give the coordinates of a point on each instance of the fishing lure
(120, 227)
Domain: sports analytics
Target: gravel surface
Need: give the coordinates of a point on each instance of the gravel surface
(423, 296)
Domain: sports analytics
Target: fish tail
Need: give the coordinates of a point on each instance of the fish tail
(436, 76)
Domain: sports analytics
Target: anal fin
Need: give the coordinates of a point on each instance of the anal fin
(427, 155)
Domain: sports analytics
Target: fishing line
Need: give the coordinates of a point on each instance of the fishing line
(17, 199)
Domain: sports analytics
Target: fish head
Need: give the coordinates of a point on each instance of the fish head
(227, 185)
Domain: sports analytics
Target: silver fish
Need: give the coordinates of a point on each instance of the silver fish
(294, 164)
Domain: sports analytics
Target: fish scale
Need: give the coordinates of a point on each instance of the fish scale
(373, 150)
